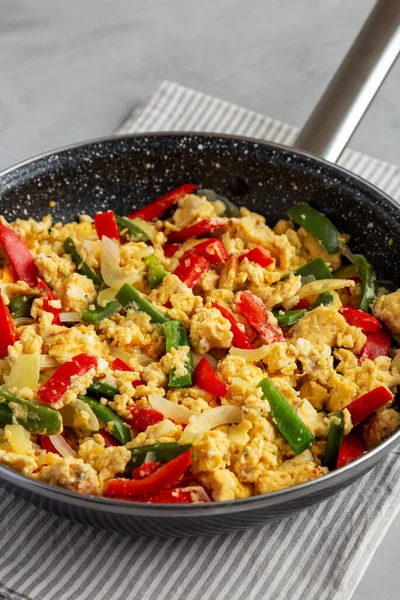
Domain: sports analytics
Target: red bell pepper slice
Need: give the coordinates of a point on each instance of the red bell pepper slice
(141, 418)
(377, 344)
(48, 296)
(120, 365)
(164, 477)
(106, 224)
(109, 440)
(361, 319)
(240, 338)
(199, 229)
(253, 308)
(205, 378)
(170, 249)
(302, 304)
(19, 256)
(368, 403)
(145, 470)
(259, 255)
(158, 207)
(352, 447)
(57, 385)
(8, 333)
(191, 270)
(213, 250)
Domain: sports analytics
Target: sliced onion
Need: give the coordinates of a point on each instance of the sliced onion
(148, 229)
(322, 285)
(48, 362)
(111, 271)
(209, 419)
(106, 296)
(171, 410)
(93, 421)
(25, 372)
(143, 252)
(70, 317)
(317, 287)
(18, 438)
(122, 354)
(21, 321)
(197, 358)
(251, 355)
(62, 446)
(143, 359)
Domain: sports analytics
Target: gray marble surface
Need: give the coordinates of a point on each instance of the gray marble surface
(73, 70)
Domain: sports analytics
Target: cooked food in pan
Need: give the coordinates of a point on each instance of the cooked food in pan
(190, 352)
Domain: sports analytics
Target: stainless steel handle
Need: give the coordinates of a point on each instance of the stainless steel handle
(354, 85)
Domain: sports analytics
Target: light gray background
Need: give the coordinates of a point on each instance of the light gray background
(73, 69)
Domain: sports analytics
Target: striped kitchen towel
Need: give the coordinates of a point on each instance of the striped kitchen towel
(319, 554)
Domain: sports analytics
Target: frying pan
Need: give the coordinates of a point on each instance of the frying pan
(268, 178)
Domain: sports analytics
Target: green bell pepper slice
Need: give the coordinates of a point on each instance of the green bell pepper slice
(120, 429)
(323, 299)
(35, 418)
(368, 282)
(321, 228)
(130, 296)
(155, 271)
(81, 266)
(290, 317)
(289, 424)
(6, 415)
(163, 452)
(100, 312)
(316, 267)
(334, 440)
(99, 389)
(175, 337)
(20, 306)
(130, 230)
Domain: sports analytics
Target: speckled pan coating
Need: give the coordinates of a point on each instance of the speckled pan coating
(123, 173)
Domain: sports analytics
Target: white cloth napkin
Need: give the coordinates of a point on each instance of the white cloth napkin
(319, 554)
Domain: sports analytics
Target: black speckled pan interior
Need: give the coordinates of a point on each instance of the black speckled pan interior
(123, 173)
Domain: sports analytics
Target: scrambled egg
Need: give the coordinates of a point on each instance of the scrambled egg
(77, 292)
(326, 326)
(315, 365)
(387, 309)
(209, 329)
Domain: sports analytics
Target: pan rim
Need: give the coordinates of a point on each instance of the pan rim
(206, 135)
(222, 507)
(105, 504)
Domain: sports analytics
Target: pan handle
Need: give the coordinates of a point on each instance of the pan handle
(354, 85)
